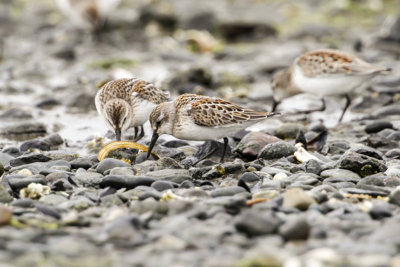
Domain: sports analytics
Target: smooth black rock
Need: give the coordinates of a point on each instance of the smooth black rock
(296, 228)
(12, 151)
(377, 180)
(54, 139)
(25, 128)
(23, 203)
(250, 177)
(393, 153)
(277, 150)
(394, 197)
(380, 211)
(16, 113)
(61, 185)
(39, 144)
(378, 126)
(207, 147)
(162, 185)
(27, 159)
(110, 163)
(368, 151)
(313, 166)
(46, 210)
(253, 223)
(48, 103)
(18, 182)
(361, 164)
(114, 181)
(245, 31)
(81, 163)
(186, 184)
(150, 194)
(373, 193)
(175, 143)
(227, 191)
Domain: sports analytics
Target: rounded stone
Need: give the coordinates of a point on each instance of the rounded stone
(110, 163)
(378, 126)
(162, 185)
(277, 150)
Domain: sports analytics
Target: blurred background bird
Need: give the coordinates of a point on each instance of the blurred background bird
(88, 14)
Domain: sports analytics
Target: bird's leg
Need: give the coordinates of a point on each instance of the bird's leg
(346, 106)
(225, 146)
(323, 105)
(274, 105)
(136, 132)
(141, 133)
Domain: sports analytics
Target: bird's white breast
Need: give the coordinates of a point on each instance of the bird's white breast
(141, 110)
(335, 85)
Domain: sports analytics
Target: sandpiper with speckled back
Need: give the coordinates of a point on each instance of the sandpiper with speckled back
(324, 72)
(201, 118)
(126, 103)
(88, 14)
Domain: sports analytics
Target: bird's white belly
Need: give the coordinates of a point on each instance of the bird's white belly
(328, 85)
(141, 112)
(192, 131)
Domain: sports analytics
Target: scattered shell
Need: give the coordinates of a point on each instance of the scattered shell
(302, 155)
(257, 200)
(34, 191)
(121, 144)
(25, 172)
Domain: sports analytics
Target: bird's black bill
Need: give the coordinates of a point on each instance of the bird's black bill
(152, 143)
(118, 134)
(274, 105)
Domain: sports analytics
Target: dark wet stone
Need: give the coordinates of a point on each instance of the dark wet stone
(289, 130)
(227, 191)
(18, 182)
(253, 142)
(163, 185)
(387, 110)
(5, 197)
(378, 126)
(12, 151)
(54, 176)
(150, 194)
(48, 103)
(393, 153)
(25, 128)
(61, 185)
(380, 210)
(361, 164)
(168, 152)
(353, 180)
(175, 143)
(81, 101)
(313, 166)
(186, 184)
(277, 150)
(16, 114)
(39, 144)
(215, 172)
(377, 180)
(54, 139)
(201, 20)
(155, 14)
(110, 163)
(27, 159)
(59, 162)
(368, 151)
(245, 31)
(392, 181)
(394, 197)
(83, 163)
(395, 136)
(337, 147)
(253, 223)
(5, 159)
(46, 210)
(250, 177)
(207, 147)
(66, 52)
(295, 228)
(117, 182)
(380, 141)
(23, 203)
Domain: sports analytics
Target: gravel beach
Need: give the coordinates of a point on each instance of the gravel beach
(263, 206)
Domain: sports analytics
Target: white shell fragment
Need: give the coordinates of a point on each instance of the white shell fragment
(302, 155)
(34, 191)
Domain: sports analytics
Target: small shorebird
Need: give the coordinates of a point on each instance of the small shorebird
(87, 14)
(323, 72)
(201, 118)
(126, 103)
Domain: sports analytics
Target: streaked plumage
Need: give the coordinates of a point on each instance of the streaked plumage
(324, 72)
(126, 103)
(201, 118)
(87, 14)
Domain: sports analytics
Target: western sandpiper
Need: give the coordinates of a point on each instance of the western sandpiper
(126, 103)
(323, 72)
(201, 118)
(87, 14)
